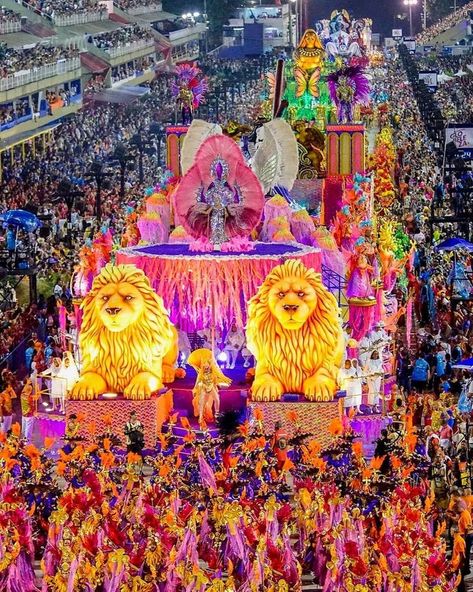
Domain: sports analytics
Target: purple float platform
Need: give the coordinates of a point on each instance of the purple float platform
(183, 250)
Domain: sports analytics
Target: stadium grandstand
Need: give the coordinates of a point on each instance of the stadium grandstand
(57, 55)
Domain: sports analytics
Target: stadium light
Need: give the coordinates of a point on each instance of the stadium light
(410, 3)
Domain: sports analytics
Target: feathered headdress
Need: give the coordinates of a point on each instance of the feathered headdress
(188, 77)
(219, 162)
(350, 82)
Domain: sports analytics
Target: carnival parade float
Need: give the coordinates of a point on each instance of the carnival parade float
(263, 251)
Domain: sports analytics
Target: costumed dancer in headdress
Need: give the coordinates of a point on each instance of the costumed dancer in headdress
(219, 200)
(6, 411)
(28, 409)
(209, 377)
(188, 90)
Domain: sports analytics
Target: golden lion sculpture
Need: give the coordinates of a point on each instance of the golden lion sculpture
(295, 334)
(127, 341)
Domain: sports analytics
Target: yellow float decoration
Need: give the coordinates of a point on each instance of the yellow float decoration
(294, 332)
(127, 342)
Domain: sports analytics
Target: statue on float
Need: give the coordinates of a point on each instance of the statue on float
(188, 91)
(219, 200)
(295, 335)
(128, 344)
(340, 43)
(309, 59)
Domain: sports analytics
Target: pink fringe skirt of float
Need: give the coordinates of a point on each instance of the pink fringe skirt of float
(203, 289)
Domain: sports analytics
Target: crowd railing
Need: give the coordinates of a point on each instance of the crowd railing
(23, 77)
(67, 20)
(143, 9)
(119, 50)
(10, 27)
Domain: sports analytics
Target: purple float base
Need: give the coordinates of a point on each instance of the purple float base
(369, 428)
(179, 250)
(49, 426)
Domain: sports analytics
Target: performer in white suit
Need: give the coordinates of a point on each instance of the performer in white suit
(234, 343)
(374, 376)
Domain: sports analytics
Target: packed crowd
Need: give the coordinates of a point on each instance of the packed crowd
(125, 71)
(130, 4)
(122, 36)
(445, 23)
(56, 8)
(455, 86)
(18, 60)
(11, 113)
(8, 16)
(430, 387)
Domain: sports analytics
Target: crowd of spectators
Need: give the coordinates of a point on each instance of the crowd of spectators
(10, 113)
(131, 69)
(8, 16)
(18, 60)
(56, 8)
(452, 19)
(454, 92)
(122, 36)
(151, 5)
(95, 83)
(431, 390)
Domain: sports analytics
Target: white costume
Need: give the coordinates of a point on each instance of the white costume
(70, 374)
(374, 375)
(356, 385)
(365, 349)
(184, 346)
(234, 342)
(379, 339)
(57, 388)
(73, 337)
(247, 355)
(345, 378)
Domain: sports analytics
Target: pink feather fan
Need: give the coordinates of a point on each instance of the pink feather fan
(243, 214)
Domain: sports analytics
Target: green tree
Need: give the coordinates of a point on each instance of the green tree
(437, 9)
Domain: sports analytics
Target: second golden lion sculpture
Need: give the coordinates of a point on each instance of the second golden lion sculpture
(295, 334)
(128, 344)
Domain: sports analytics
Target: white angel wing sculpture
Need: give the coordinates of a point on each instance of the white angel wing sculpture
(198, 131)
(276, 159)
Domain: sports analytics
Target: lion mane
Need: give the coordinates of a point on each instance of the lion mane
(140, 347)
(293, 356)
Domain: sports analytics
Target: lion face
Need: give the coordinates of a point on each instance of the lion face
(292, 301)
(119, 305)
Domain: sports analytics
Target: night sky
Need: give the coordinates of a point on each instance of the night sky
(382, 12)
